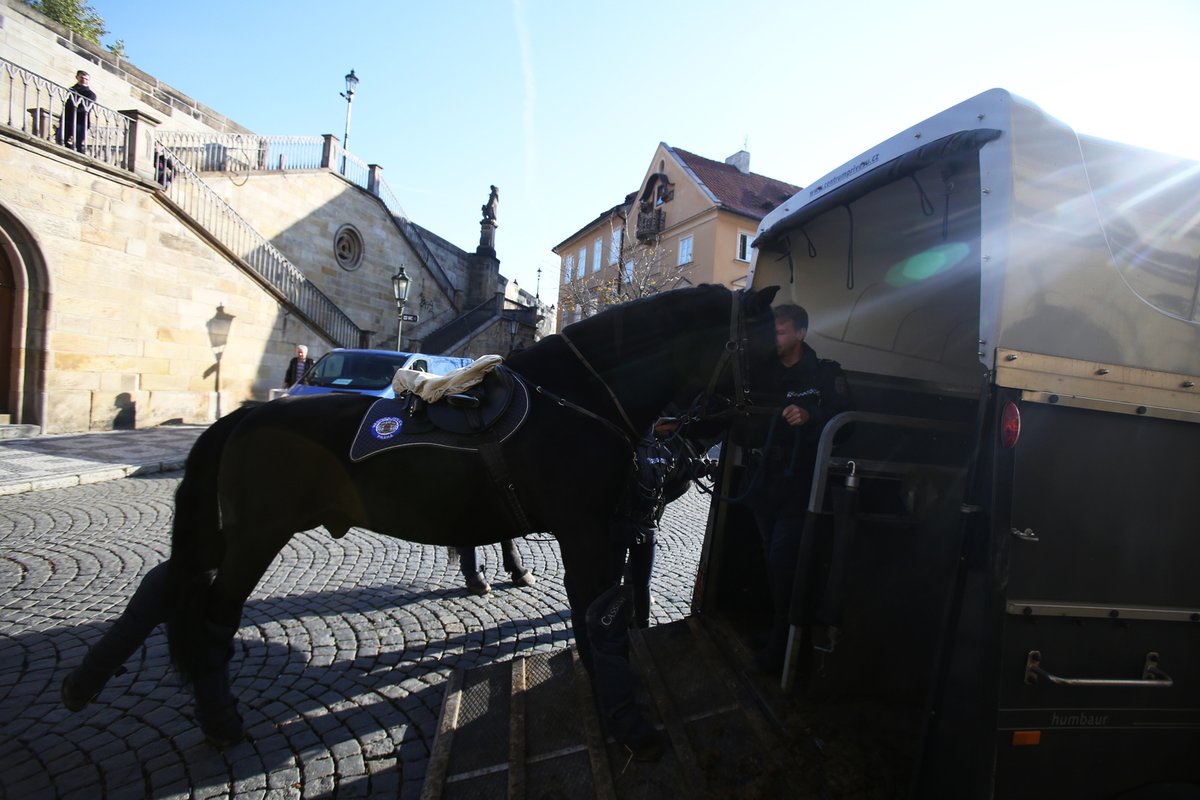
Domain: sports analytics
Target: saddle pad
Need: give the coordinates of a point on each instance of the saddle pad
(382, 428)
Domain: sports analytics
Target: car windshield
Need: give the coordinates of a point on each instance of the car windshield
(355, 370)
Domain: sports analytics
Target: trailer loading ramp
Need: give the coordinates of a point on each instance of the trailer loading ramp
(528, 728)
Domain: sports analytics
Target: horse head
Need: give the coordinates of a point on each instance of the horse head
(671, 347)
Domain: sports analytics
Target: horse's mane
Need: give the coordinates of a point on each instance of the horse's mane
(650, 307)
(643, 347)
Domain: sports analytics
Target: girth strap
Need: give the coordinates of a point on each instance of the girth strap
(497, 467)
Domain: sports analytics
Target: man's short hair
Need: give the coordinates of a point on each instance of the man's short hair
(796, 314)
(81, 74)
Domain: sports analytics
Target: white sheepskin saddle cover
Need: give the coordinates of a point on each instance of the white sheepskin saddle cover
(432, 388)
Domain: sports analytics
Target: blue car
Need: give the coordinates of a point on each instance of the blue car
(368, 372)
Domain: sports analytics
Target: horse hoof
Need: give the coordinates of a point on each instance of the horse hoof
(222, 728)
(80, 687)
(523, 578)
(477, 585)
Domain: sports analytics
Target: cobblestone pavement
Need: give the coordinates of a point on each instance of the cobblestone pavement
(339, 664)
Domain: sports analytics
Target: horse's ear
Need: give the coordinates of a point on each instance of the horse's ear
(759, 300)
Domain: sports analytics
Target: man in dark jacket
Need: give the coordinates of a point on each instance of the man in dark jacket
(72, 129)
(808, 391)
(298, 367)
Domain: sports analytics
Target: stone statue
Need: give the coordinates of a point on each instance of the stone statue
(491, 207)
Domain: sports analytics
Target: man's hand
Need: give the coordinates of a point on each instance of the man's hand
(795, 415)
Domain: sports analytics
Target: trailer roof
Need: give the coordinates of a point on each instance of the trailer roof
(1082, 248)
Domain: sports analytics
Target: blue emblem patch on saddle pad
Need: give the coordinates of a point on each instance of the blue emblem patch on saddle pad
(385, 428)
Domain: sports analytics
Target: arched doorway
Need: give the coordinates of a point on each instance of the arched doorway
(24, 311)
(8, 298)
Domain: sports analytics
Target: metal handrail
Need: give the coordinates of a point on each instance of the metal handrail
(350, 166)
(241, 152)
(206, 209)
(35, 106)
(389, 200)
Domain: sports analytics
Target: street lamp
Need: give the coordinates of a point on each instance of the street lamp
(218, 337)
(400, 284)
(351, 84)
(513, 327)
(537, 294)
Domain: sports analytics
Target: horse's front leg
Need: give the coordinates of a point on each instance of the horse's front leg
(246, 558)
(600, 613)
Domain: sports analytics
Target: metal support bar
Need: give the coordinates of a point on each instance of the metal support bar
(1151, 675)
(439, 759)
(516, 732)
(825, 446)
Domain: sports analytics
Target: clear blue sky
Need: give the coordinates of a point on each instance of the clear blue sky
(561, 104)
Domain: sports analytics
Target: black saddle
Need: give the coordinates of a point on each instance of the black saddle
(488, 412)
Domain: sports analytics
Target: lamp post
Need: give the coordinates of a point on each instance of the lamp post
(400, 284)
(537, 293)
(351, 84)
(513, 327)
(218, 337)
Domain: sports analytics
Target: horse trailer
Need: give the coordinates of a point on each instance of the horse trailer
(997, 581)
(996, 593)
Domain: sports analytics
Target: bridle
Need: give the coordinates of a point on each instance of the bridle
(734, 354)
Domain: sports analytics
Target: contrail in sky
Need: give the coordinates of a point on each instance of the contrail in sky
(528, 112)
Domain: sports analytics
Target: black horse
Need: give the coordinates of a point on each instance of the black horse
(260, 475)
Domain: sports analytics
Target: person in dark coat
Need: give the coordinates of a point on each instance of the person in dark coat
(298, 367)
(809, 391)
(72, 129)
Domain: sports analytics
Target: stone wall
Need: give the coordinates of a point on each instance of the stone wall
(130, 290)
(301, 213)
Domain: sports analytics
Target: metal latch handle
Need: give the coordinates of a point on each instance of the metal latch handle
(1151, 674)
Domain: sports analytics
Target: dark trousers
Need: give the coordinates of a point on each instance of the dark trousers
(72, 131)
(780, 508)
(508, 552)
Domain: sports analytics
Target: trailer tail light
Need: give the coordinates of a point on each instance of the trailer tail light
(1010, 425)
(1026, 738)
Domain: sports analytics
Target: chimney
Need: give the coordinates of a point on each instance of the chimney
(740, 160)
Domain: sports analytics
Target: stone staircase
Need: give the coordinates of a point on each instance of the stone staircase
(190, 197)
(10, 431)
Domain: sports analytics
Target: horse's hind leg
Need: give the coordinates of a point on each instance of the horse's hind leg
(146, 609)
(246, 558)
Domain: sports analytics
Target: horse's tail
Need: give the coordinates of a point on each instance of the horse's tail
(196, 543)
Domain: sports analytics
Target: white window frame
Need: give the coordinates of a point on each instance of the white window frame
(597, 254)
(582, 262)
(743, 237)
(614, 247)
(569, 261)
(686, 247)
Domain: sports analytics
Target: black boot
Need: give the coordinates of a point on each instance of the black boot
(613, 677)
(104, 659)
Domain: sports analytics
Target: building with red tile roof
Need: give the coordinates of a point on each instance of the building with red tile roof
(691, 222)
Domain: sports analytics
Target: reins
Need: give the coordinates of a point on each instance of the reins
(616, 402)
(612, 426)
